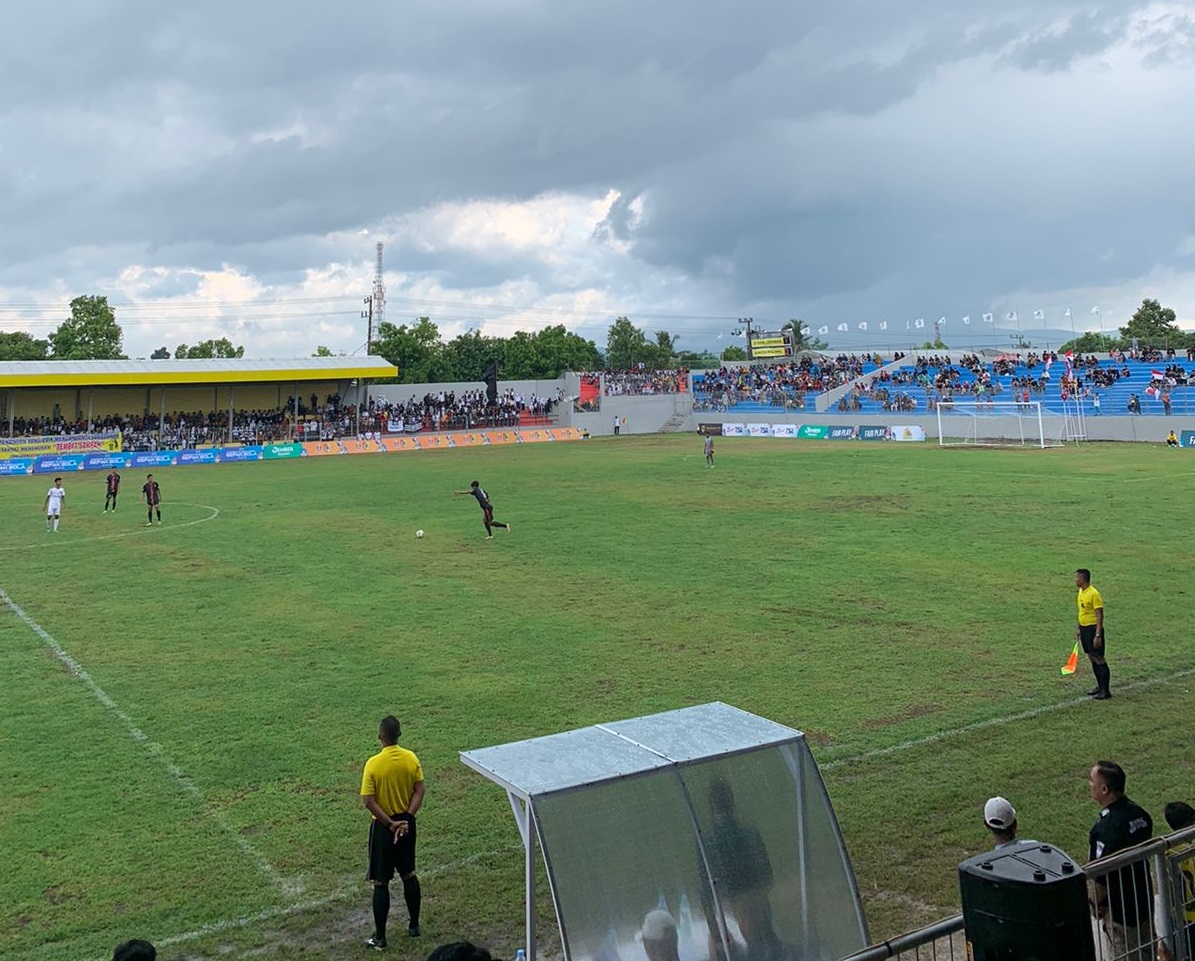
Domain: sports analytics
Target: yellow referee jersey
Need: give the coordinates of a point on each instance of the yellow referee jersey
(390, 776)
(1089, 602)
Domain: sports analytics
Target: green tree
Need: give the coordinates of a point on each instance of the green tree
(626, 346)
(322, 351)
(706, 360)
(162, 353)
(938, 344)
(467, 355)
(734, 352)
(208, 349)
(90, 333)
(1155, 326)
(800, 341)
(18, 345)
(1091, 342)
(560, 350)
(416, 350)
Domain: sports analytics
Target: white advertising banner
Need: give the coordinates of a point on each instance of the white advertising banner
(911, 432)
(734, 430)
(784, 430)
(759, 430)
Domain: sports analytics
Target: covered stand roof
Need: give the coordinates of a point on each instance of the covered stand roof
(240, 370)
(716, 816)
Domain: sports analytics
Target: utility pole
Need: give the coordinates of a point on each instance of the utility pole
(367, 316)
(746, 322)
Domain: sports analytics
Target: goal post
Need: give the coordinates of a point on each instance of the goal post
(966, 423)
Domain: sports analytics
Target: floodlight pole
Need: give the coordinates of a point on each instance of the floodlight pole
(525, 819)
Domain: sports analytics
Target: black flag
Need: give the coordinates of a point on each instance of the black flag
(491, 382)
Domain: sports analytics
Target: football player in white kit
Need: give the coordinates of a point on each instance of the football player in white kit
(54, 498)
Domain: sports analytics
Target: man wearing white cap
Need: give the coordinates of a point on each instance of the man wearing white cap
(1000, 818)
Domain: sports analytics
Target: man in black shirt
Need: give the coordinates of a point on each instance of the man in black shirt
(153, 499)
(487, 508)
(113, 489)
(1122, 898)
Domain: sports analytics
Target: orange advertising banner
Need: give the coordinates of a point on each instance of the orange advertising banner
(566, 433)
(502, 436)
(535, 436)
(321, 448)
(401, 443)
(469, 440)
(435, 441)
(361, 446)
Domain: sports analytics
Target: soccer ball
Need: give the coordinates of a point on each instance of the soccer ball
(419, 533)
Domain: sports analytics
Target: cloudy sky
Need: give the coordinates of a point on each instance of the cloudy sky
(227, 168)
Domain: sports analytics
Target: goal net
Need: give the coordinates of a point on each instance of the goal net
(1004, 424)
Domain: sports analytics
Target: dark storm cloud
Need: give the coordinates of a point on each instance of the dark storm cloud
(759, 136)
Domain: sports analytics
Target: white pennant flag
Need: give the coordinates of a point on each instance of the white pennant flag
(806, 331)
(823, 330)
(941, 320)
(919, 323)
(908, 326)
(1068, 312)
(844, 326)
(967, 319)
(863, 325)
(1011, 315)
(1095, 310)
(987, 318)
(883, 325)
(1039, 315)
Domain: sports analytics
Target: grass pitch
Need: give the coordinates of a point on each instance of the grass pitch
(907, 607)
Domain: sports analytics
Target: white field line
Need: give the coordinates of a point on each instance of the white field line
(934, 738)
(155, 750)
(1052, 478)
(53, 542)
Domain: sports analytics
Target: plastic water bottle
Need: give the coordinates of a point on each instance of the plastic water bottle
(520, 955)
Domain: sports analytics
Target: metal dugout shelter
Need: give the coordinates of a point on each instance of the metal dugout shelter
(718, 816)
(91, 389)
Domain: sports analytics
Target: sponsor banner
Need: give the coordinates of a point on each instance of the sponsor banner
(472, 439)
(57, 463)
(321, 448)
(105, 461)
(281, 451)
(813, 431)
(502, 437)
(784, 430)
(734, 430)
(233, 454)
(710, 430)
(908, 433)
(537, 436)
(48, 446)
(435, 441)
(401, 443)
(841, 433)
(759, 430)
(207, 455)
(875, 432)
(1187, 439)
(153, 458)
(16, 465)
(354, 446)
(566, 433)
(758, 351)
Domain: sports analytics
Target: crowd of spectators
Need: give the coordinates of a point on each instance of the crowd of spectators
(643, 381)
(778, 385)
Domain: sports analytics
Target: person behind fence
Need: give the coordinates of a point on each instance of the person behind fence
(1000, 818)
(659, 936)
(1120, 899)
(1180, 815)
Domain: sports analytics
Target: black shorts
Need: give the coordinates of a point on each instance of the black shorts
(1087, 639)
(387, 856)
(487, 516)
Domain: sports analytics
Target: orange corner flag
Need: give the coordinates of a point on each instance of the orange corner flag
(1072, 662)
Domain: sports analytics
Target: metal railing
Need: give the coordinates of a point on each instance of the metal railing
(1158, 877)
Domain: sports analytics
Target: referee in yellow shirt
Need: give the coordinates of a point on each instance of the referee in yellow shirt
(1090, 633)
(392, 790)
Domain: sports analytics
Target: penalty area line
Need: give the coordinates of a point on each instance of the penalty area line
(144, 529)
(964, 729)
(152, 748)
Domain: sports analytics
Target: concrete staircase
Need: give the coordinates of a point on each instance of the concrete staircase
(674, 424)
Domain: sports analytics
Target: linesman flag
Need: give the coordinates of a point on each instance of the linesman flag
(1072, 662)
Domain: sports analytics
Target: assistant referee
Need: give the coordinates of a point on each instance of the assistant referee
(392, 791)
(1090, 633)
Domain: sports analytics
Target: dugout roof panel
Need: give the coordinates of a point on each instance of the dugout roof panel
(239, 370)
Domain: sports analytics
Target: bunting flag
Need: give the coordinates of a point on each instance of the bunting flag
(1072, 662)
(987, 318)
(844, 326)
(1068, 312)
(967, 319)
(1095, 310)
(1039, 315)
(919, 323)
(1011, 315)
(908, 325)
(823, 330)
(863, 325)
(941, 320)
(806, 331)
(883, 325)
